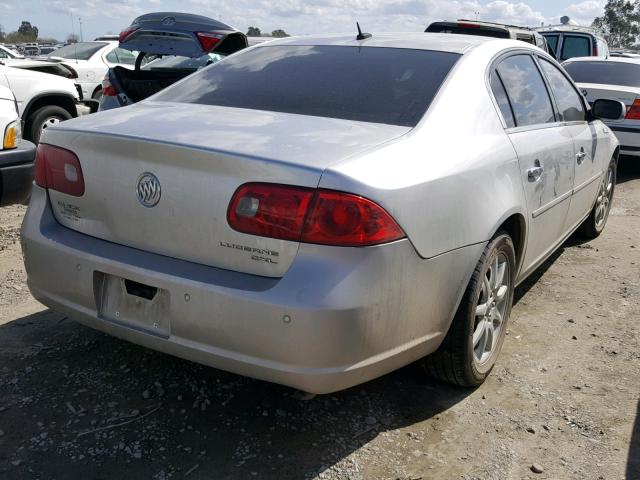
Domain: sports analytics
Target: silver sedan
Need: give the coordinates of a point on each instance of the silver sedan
(320, 211)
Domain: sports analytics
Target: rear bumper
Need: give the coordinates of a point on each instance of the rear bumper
(16, 173)
(339, 316)
(629, 138)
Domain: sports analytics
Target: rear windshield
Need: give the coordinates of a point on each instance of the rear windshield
(78, 51)
(171, 62)
(609, 73)
(369, 84)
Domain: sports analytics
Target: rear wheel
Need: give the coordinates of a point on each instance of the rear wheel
(44, 118)
(597, 219)
(475, 337)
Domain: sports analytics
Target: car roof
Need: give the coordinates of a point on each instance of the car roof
(444, 42)
(635, 61)
(569, 29)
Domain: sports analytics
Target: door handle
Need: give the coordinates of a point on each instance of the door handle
(580, 156)
(534, 174)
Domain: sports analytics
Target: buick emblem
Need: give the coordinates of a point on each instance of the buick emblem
(148, 190)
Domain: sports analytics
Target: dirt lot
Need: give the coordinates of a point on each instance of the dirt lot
(75, 403)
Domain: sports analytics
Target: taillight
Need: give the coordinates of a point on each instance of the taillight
(208, 40)
(58, 169)
(126, 33)
(594, 51)
(108, 90)
(310, 215)
(634, 111)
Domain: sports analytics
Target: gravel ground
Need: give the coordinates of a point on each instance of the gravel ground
(563, 399)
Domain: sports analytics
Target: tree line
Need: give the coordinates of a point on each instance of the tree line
(256, 32)
(620, 23)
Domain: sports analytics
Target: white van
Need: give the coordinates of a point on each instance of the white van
(569, 40)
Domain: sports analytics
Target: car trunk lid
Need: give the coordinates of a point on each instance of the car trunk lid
(199, 155)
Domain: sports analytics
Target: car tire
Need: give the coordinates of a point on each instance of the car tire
(593, 226)
(97, 95)
(481, 319)
(42, 118)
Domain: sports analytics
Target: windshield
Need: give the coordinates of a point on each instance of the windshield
(188, 63)
(608, 73)
(78, 51)
(369, 84)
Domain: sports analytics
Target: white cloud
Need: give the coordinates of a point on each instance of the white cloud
(584, 12)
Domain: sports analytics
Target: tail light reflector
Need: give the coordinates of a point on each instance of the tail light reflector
(634, 111)
(126, 33)
(208, 40)
(308, 215)
(58, 169)
(108, 89)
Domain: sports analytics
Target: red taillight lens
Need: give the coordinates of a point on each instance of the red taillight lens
(59, 169)
(594, 51)
(208, 40)
(338, 218)
(310, 215)
(269, 210)
(634, 111)
(126, 33)
(108, 89)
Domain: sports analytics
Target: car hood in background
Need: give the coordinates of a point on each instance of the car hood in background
(169, 33)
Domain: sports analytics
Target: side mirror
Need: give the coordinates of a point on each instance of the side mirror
(608, 109)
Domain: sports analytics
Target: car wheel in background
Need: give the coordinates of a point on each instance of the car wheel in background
(42, 119)
(473, 343)
(597, 219)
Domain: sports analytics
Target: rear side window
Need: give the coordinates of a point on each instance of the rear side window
(503, 101)
(574, 46)
(526, 90)
(369, 84)
(608, 73)
(567, 98)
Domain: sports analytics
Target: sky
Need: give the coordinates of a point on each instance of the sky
(59, 18)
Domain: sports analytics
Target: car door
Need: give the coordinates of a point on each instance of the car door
(544, 148)
(588, 165)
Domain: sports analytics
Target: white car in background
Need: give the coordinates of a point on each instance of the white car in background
(42, 99)
(614, 78)
(92, 60)
(6, 52)
(16, 155)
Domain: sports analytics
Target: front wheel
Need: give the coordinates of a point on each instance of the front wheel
(44, 118)
(597, 219)
(473, 343)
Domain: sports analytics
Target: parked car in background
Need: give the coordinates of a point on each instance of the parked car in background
(6, 52)
(569, 40)
(615, 78)
(489, 29)
(328, 243)
(44, 66)
(16, 155)
(46, 50)
(185, 42)
(43, 99)
(91, 60)
(31, 50)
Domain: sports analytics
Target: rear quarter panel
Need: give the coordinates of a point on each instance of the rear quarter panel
(455, 178)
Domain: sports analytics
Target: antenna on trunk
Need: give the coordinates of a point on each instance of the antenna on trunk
(362, 36)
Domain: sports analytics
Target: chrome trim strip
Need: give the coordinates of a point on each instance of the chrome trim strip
(550, 205)
(587, 183)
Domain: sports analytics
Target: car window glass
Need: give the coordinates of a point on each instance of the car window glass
(78, 51)
(368, 84)
(605, 72)
(112, 57)
(526, 90)
(552, 41)
(3, 54)
(502, 99)
(574, 46)
(567, 98)
(125, 56)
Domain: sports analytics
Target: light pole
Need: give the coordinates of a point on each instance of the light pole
(80, 22)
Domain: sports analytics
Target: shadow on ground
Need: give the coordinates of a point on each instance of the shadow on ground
(60, 380)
